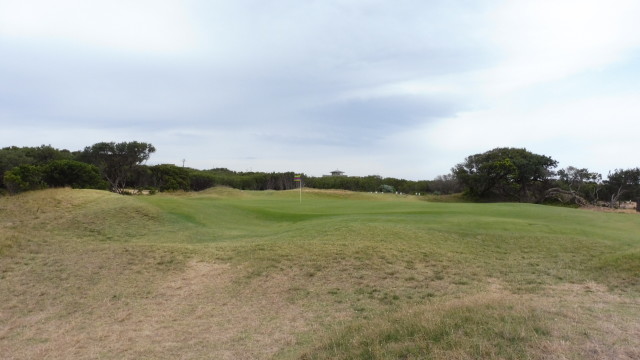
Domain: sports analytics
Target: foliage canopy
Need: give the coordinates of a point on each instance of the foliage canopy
(117, 161)
(505, 174)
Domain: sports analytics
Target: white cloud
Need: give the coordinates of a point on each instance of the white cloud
(157, 26)
(598, 132)
(542, 41)
(406, 88)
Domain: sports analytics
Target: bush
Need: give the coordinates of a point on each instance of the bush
(61, 173)
(170, 177)
(386, 188)
(200, 181)
(24, 178)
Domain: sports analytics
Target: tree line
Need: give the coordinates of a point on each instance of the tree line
(121, 168)
(500, 174)
(513, 174)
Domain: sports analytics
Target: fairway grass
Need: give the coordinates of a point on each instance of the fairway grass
(229, 274)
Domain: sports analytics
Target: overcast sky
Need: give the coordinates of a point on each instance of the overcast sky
(403, 88)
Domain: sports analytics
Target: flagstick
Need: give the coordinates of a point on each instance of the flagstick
(298, 178)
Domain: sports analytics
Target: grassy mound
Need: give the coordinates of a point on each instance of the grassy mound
(256, 275)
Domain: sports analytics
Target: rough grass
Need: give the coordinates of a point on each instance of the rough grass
(228, 274)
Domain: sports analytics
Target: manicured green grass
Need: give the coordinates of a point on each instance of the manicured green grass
(232, 274)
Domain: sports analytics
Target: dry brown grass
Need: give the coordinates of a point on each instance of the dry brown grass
(71, 289)
(204, 309)
(590, 322)
(67, 296)
(610, 210)
(123, 310)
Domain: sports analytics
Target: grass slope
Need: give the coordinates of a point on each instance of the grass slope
(227, 274)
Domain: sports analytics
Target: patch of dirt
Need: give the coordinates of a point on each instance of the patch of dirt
(203, 311)
(608, 209)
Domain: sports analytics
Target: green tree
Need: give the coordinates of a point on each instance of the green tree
(169, 177)
(622, 185)
(10, 157)
(505, 174)
(78, 175)
(579, 183)
(199, 180)
(117, 161)
(575, 178)
(386, 188)
(445, 184)
(24, 178)
(44, 154)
